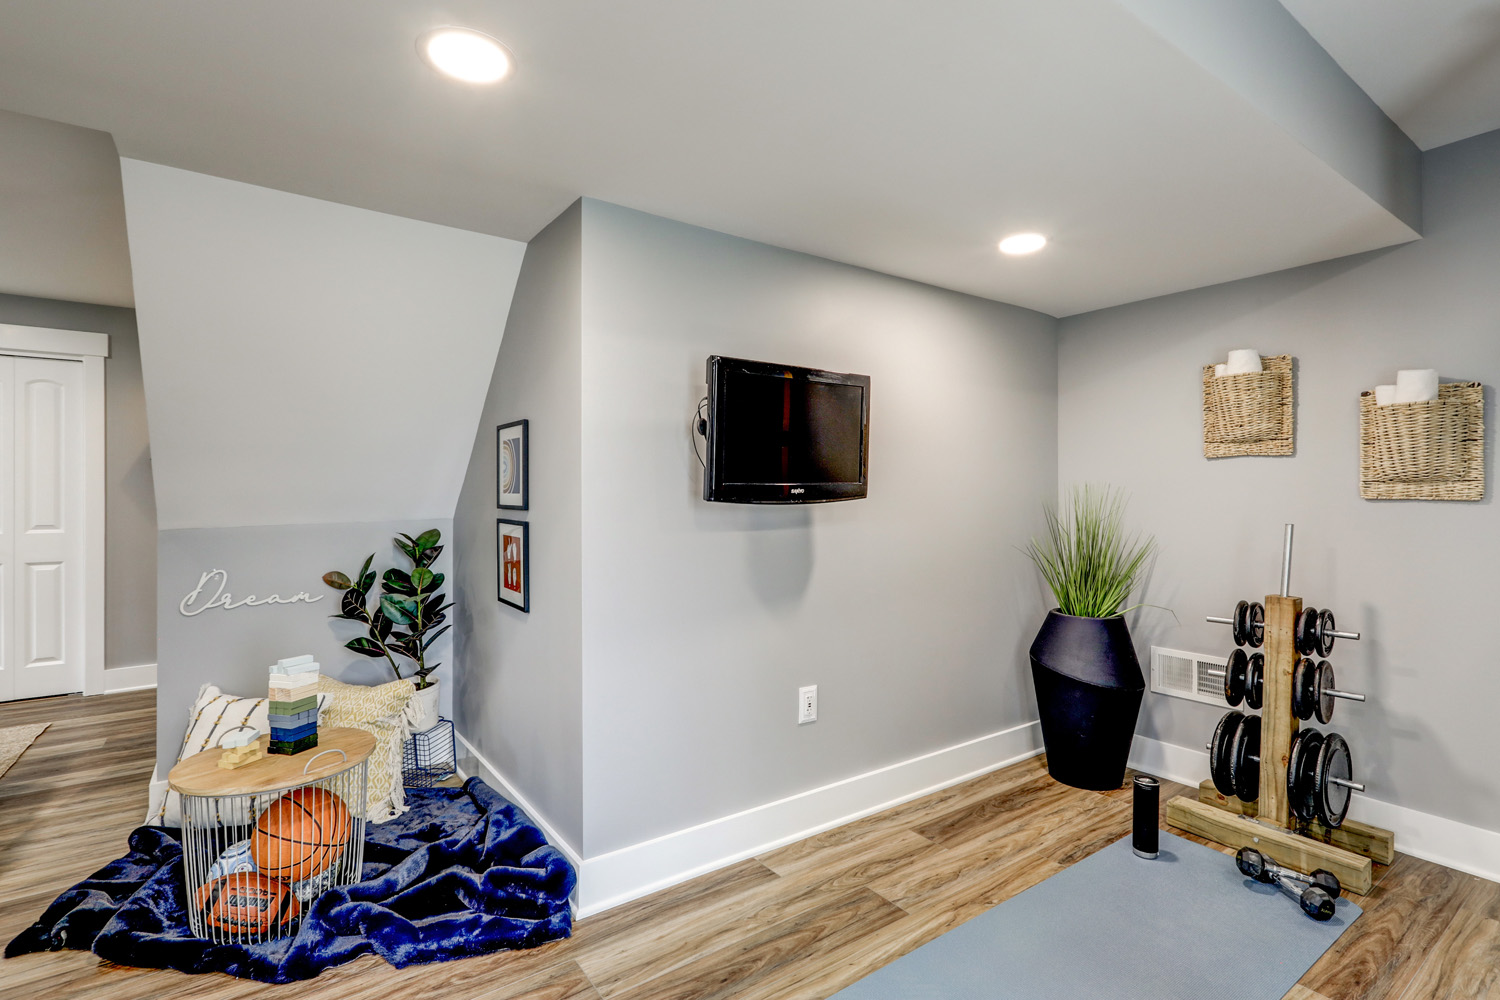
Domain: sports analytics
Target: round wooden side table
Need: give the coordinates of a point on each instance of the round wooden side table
(261, 841)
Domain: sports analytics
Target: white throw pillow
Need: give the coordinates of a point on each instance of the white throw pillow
(214, 713)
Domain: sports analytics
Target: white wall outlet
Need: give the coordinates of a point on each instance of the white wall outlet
(807, 704)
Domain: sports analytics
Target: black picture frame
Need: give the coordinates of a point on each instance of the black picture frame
(517, 435)
(523, 574)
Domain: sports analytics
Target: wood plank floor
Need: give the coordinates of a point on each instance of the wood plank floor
(797, 923)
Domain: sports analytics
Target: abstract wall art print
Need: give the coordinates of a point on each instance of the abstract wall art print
(512, 452)
(513, 562)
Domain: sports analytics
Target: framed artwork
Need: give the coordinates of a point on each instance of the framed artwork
(512, 452)
(513, 562)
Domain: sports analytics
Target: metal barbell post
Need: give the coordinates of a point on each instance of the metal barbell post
(1346, 695)
(1286, 564)
(1357, 786)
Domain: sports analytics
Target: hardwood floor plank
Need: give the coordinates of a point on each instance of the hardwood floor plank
(1464, 964)
(765, 962)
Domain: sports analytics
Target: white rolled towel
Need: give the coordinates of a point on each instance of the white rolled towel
(1416, 385)
(1243, 362)
(1220, 370)
(1385, 395)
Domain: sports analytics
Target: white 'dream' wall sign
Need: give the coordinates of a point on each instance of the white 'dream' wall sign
(193, 604)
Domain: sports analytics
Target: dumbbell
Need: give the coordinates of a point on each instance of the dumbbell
(1318, 777)
(1313, 691)
(1244, 678)
(1315, 893)
(1234, 756)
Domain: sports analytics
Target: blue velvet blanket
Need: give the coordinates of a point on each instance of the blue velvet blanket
(463, 873)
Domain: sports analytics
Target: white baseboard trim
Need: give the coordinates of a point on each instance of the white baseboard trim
(492, 777)
(630, 872)
(136, 678)
(1432, 838)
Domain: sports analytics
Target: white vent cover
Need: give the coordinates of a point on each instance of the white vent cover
(1194, 676)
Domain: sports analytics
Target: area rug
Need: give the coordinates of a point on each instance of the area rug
(1186, 926)
(462, 873)
(14, 740)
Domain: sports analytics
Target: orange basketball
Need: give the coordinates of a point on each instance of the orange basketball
(246, 903)
(300, 834)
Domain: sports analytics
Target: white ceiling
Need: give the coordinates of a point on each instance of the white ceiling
(903, 137)
(62, 220)
(1432, 65)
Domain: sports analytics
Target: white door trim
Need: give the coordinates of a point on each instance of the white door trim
(91, 349)
(42, 342)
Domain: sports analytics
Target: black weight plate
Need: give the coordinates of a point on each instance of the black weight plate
(1219, 751)
(1326, 628)
(1306, 636)
(1235, 672)
(1333, 762)
(1240, 611)
(1244, 772)
(1304, 688)
(1323, 702)
(1293, 765)
(1304, 802)
(1255, 680)
(1255, 625)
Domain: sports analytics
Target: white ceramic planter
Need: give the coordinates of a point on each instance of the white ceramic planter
(424, 708)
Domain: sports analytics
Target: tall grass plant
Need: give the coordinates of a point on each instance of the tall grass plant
(1087, 557)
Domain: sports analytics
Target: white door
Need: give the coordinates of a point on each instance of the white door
(42, 545)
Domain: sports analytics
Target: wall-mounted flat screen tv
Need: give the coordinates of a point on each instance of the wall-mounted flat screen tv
(778, 434)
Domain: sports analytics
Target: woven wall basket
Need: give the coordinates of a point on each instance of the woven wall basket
(1423, 451)
(1248, 414)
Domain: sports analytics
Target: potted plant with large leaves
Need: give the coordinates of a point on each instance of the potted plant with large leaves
(1088, 681)
(406, 619)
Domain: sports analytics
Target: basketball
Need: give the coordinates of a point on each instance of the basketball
(300, 834)
(246, 903)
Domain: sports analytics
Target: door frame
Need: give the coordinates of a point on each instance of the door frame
(91, 349)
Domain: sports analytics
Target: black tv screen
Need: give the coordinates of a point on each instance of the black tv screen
(778, 434)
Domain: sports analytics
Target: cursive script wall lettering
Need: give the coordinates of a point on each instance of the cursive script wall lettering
(217, 579)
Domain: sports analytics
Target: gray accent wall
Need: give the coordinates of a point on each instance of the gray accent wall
(519, 697)
(1417, 578)
(233, 647)
(911, 610)
(129, 497)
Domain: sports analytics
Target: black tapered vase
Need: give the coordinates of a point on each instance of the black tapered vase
(1088, 688)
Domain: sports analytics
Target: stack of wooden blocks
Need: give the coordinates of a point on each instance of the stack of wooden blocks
(294, 705)
(241, 746)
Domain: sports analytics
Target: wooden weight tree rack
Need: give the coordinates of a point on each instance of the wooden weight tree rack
(1269, 823)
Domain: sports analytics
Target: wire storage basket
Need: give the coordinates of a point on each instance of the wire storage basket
(429, 756)
(261, 842)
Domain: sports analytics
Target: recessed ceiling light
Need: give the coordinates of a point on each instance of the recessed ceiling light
(466, 54)
(1022, 243)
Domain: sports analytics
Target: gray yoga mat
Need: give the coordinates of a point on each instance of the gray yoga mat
(1187, 925)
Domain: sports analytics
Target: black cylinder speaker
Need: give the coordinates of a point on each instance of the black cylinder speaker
(1145, 836)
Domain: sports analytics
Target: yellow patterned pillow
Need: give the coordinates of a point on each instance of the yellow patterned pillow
(382, 712)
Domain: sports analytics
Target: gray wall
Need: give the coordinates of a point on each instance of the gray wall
(1417, 578)
(520, 690)
(911, 609)
(232, 648)
(130, 502)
